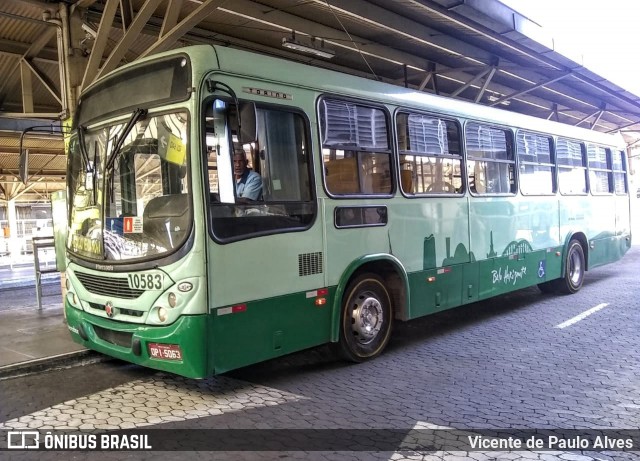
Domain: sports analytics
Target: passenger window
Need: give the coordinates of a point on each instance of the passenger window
(619, 173)
(599, 169)
(355, 149)
(537, 165)
(572, 167)
(430, 157)
(491, 165)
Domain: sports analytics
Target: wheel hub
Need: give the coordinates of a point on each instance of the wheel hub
(367, 318)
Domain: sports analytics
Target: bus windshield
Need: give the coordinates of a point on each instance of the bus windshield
(129, 188)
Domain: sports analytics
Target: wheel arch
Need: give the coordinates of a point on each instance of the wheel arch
(396, 281)
(584, 243)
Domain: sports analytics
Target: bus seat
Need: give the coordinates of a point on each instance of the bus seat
(479, 178)
(342, 176)
(407, 181)
(377, 183)
(166, 219)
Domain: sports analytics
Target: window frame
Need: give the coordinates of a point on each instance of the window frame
(461, 156)
(584, 167)
(357, 149)
(308, 136)
(553, 164)
(608, 170)
(623, 171)
(510, 141)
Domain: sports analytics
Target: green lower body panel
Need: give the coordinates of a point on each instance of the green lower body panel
(261, 330)
(228, 338)
(605, 249)
(130, 342)
(438, 289)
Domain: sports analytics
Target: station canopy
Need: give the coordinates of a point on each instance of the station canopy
(476, 50)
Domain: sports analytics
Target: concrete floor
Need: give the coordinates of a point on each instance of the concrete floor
(28, 335)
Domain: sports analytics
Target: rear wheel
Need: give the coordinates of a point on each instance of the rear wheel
(366, 318)
(574, 266)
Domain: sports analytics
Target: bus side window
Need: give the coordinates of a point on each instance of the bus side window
(430, 159)
(491, 160)
(355, 148)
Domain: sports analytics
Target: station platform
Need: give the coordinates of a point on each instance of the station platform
(33, 338)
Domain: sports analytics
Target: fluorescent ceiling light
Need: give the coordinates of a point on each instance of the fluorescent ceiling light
(321, 51)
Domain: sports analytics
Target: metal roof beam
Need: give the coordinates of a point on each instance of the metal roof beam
(129, 37)
(32, 51)
(527, 90)
(518, 50)
(27, 87)
(595, 122)
(95, 58)
(416, 32)
(48, 115)
(126, 14)
(48, 84)
(25, 189)
(287, 22)
(475, 79)
(171, 16)
(584, 119)
(172, 36)
(485, 84)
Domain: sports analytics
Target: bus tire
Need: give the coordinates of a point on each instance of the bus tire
(365, 325)
(574, 265)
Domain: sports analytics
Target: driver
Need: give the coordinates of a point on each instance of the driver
(248, 182)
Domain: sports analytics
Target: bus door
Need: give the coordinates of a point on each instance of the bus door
(265, 258)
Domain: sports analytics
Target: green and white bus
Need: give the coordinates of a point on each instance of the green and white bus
(378, 203)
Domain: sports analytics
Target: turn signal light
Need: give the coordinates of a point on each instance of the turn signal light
(173, 300)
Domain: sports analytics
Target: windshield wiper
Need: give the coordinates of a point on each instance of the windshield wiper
(135, 117)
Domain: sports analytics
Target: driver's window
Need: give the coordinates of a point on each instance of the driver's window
(430, 156)
(263, 186)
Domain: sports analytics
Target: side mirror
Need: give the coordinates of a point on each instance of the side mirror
(248, 131)
(24, 153)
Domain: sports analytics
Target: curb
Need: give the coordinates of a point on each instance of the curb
(56, 362)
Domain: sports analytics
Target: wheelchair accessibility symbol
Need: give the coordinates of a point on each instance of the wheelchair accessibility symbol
(541, 271)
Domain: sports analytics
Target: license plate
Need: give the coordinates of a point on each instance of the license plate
(165, 351)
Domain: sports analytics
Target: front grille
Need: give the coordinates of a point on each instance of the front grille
(130, 312)
(309, 263)
(119, 338)
(115, 287)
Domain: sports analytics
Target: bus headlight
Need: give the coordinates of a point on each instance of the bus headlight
(173, 300)
(72, 298)
(162, 314)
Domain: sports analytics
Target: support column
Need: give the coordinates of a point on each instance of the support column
(14, 242)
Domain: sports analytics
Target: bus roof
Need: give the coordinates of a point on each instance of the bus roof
(278, 71)
(323, 80)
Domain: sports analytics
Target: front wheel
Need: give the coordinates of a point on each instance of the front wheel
(366, 318)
